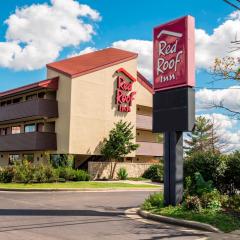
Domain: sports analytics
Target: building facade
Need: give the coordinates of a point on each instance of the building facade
(75, 108)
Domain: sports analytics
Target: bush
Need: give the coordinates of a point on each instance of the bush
(122, 173)
(193, 203)
(81, 175)
(24, 172)
(211, 200)
(155, 200)
(210, 165)
(202, 186)
(66, 173)
(233, 203)
(7, 174)
(45, 173)
(154, 172)
(232, 174)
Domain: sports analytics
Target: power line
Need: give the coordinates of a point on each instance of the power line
(218, 88)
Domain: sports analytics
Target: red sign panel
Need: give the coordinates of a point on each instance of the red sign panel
(124, 93)
(173, 54)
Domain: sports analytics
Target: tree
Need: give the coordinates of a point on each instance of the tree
(118, 144)
(227, 68)
(233, 3)
(203, 138)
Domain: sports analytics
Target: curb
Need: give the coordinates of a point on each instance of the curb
(77, 189)
(178, 222)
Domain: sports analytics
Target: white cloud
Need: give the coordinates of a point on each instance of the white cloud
(36, 34)
(208, 46)
(84, 51)
(217, 44)
(229, 98)
(144, 49)
(226, 129)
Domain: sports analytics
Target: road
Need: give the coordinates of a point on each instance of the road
(80, 216)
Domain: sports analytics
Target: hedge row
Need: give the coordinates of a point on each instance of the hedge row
(29, 173)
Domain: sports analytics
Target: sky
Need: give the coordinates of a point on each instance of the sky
(36, 32)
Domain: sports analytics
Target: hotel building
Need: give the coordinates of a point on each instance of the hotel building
(75, 108)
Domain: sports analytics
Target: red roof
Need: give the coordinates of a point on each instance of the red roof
(49, 84)
(90, 62)
(144, 82)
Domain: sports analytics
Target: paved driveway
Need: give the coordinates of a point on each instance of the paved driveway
(80, 215)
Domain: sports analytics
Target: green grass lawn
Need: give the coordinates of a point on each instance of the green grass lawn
(75, 185)
(223, 221)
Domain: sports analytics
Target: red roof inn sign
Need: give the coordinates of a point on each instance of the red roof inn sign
(174, 97)
(173, 54)
(124, 93)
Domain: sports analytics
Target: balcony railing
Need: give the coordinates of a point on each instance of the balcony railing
(35, 141)
(29, 109)
(150, 149)
(144, 122)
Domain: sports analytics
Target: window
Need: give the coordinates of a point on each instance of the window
(30, 97)
(17, 100)
(9, 102)
(14, 158)
(41, 95)
(29, 157)
(16, 130)
(30, 128)
(40, 127)
(3, 131)
(3, 104)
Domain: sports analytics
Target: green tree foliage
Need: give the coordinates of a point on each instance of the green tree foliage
(232, 173)
(119, 143)
(211, 165)
(203, 138)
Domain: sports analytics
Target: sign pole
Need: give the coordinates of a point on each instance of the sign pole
(173, 168)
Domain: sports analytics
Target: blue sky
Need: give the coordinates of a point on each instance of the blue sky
(125, 24)
(121, 20)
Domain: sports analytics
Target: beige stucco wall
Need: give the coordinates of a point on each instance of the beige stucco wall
(144, 97)
(62, 124)
(3, 159)
(93, 108)
(87, 109)
(146, 136)
(144, 110)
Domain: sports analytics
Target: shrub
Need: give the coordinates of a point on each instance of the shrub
(211, 200)
(233, 202)
(202, 186)
(44, 173)
(193, 203)
(39, 174)
(66, 173)
(81, 175)
(155, 173)
(122, 173)
(232, 174)
(7, 174)
(154, 200)
(211, 165)
(24, 172)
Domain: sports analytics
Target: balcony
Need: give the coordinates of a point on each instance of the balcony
(150, 149)
(144, 122)
(35, 108)
(35, 141)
